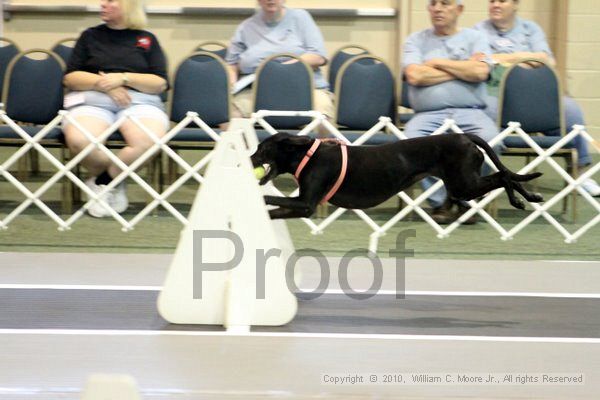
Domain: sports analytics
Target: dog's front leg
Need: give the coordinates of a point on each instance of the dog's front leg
(284, 213)
(289, 207)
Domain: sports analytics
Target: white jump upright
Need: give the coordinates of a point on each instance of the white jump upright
(111, 386)
(229, 267)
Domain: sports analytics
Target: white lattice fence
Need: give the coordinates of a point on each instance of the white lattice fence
(191, 172)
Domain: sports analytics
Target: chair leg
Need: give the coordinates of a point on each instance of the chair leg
(161, 182)
(154, 172)
(66, 187)
(22, 170)
(575, 173)
(34, 159)
(573, 170)
(172, 169)
(75, 190)
(569, 168)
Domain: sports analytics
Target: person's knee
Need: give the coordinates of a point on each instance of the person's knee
(413, 130)
(74, 139)
(141, 141)
(573, 113)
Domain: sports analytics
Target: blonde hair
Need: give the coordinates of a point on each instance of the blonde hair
(134, 14)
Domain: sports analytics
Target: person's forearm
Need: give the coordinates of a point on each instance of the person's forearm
(422, 75)
(513, 58)
(465, 70)
(314, 60)
(81, 80)
(145, 83)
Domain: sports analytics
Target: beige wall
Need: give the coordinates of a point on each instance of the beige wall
(179, 34)
(583, 59)
(232, 3)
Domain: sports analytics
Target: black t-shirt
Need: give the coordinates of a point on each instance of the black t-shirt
(101, 48)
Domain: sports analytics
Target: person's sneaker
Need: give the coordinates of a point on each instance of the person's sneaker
(591, 186)
(96, 209)
(118, 199)
(472, 220)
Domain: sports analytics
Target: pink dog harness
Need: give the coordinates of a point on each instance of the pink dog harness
(340, 178)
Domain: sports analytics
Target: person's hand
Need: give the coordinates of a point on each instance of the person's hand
(120, 96)
(478, 57)
(109, 82)
(290, 61)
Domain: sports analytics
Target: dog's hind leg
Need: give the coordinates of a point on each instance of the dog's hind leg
(531, 197)
(477, 186)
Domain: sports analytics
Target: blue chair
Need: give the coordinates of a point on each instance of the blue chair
(364, 92)
(533, 97)
(64, 48)
(33, 90)
(212, 46)
(284, 87)
(8, 50)
(32, 95)
(342, 55)
(201, 85)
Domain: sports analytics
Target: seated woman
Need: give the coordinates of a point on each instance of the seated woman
(512, 39)
(275, 29)
(115, 67)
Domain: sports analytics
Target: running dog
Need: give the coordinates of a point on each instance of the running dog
(359, 177)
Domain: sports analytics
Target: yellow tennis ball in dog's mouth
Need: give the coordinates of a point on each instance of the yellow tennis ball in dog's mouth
(259, 172)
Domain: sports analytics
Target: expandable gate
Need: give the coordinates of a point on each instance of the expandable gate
(318, 120)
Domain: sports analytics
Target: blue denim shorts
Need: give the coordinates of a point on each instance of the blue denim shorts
(101, 106)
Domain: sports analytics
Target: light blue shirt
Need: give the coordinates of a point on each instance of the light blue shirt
(524, 36)
(426, 45)
(255, 40)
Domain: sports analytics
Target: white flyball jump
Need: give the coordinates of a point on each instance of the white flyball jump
(111, 386)
(229, 267)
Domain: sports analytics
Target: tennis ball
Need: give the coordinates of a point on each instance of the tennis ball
(259, 172)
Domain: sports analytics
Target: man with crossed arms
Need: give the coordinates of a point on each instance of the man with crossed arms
(446, 69)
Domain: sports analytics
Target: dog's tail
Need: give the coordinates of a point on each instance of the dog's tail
(501, 167)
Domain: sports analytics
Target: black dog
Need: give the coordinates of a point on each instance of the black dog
(376, 173)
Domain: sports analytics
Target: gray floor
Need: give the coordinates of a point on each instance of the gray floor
(66, 316)
(329, 313)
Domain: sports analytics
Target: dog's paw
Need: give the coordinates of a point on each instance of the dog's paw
(516, 203)
(535, 198)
